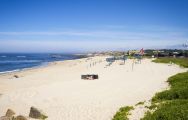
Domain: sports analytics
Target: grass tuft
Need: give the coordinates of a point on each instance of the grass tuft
(140, 103)
(123, 113)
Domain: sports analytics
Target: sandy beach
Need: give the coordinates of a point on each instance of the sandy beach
(59, 91)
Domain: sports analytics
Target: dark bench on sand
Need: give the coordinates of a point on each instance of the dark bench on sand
(89, 77)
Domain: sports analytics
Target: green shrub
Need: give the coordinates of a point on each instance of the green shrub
(140, 103)
(151, 107)
(178, 90)
(123, 113)
(179, 61)
(171, 110)
(172, 104)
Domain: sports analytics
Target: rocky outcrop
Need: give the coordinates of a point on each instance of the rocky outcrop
(10, 113)
(20, 117)
(37, 114)
(5, 118)
(16, 76)
(34, 113)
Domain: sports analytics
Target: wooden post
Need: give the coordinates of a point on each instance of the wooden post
(133, 64)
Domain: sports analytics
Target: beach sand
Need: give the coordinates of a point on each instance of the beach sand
(59, 91)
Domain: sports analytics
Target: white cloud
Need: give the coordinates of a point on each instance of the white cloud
(91, 40)
(75, 46)
(44, 33)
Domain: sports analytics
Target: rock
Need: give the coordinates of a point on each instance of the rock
(5, 118)
(10, 113)
(35, 113)
(20, 117)
(16, 76)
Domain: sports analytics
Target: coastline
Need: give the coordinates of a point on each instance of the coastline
(58, 87)
(16, 62)
(42, 65)
(24, 69)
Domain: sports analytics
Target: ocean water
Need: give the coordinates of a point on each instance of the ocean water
(15, 62)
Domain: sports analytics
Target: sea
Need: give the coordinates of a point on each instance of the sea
(10, 62)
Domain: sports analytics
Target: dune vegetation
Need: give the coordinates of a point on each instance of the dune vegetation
(123, 113)
(171, 104)
(179, 61)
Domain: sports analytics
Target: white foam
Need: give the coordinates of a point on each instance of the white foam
(20, 61)
(21, 56)
(3, 56)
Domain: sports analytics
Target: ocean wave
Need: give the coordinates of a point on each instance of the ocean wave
(26, 68)
(21, 56)
(20, 61)
(10, 71)
(3, 56)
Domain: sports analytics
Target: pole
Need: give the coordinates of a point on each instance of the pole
(133, 64)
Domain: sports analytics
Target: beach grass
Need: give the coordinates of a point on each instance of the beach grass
(169, 110)
(179, 61)
(140, 103)
(123, 113)
(171, 104)
(178, 90)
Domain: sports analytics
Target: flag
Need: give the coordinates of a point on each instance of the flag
(142, 51)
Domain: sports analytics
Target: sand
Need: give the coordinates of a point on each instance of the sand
(59, 91)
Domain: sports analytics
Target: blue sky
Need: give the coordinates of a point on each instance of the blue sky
(91, 25)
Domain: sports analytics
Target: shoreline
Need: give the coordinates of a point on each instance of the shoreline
(59, 87)
(42, 65)
(24, 69)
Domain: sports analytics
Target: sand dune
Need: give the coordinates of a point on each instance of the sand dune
(61, 93)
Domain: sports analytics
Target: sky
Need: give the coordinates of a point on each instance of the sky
(61, 26)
